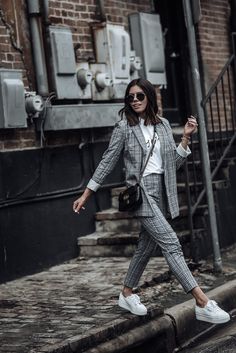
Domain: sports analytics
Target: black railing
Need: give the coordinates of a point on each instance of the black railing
(219, 108)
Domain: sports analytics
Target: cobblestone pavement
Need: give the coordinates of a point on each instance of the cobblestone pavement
(68, 300)
(76, 302)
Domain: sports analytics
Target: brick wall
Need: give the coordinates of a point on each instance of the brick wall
(214, 40)
(80, 14)
(215, 49)
(15, 48)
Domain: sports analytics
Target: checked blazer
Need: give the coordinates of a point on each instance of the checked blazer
(130, 141)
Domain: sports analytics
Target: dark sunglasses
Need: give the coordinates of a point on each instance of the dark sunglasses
(140, 96)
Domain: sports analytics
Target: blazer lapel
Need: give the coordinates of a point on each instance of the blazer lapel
(139, 135)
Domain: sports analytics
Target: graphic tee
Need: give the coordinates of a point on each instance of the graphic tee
(155, 164)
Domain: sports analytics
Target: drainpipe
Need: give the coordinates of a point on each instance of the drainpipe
(37, 47)
(202, 133)
(101, 15)
(45, 10)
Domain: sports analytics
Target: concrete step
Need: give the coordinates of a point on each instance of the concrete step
(115, 195)
(111, 220)
(107, 244)
(196, 188)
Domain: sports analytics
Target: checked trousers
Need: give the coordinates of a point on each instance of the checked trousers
(156, 231)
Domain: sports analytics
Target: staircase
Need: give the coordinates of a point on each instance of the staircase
(117, 232)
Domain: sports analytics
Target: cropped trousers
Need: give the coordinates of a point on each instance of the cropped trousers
(156, 231)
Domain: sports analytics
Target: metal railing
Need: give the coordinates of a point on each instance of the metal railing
(219, 108)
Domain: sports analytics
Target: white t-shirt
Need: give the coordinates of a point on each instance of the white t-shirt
(155, 161)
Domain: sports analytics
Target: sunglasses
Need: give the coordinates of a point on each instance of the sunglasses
(140, 96)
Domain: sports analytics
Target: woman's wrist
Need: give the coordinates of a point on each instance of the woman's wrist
(86, 194)
(186, 137)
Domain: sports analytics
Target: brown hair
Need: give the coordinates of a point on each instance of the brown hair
(151, 111)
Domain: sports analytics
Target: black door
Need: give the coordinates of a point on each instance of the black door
(176, 97)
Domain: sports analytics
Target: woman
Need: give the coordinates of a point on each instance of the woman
(134, 134)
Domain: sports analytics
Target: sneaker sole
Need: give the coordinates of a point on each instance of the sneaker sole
(124, 306)
(212, 321)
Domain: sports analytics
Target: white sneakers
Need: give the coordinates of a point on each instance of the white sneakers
(132, 303)
(211, 313)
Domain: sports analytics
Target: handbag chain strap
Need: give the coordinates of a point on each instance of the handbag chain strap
(149, 155)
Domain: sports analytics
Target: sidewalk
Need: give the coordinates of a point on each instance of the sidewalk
(73, 307)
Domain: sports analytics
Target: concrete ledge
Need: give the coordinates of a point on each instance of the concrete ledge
(81, 116)
(160, 329)
(176, 326)
(183, 315)
(98, 337)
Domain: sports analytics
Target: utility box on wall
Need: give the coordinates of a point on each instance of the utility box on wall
(147, 41)
(12, 100)
(112, 45)
(63, 63)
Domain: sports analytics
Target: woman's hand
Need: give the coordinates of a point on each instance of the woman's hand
(190, 126)
(80, 202)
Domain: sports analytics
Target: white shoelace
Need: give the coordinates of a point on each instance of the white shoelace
(212, 306)
(135, 299)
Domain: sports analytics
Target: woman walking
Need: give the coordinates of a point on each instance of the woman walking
(143, 135)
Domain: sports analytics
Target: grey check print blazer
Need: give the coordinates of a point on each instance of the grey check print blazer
(130, 141)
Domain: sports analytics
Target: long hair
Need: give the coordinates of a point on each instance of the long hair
(151, 116)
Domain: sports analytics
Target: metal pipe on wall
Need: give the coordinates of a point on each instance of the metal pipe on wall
(202, 133)
(101, 10)
(45, 9)
(37, 47)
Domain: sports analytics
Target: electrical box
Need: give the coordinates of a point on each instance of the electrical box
(112, 44)
(135, 65)
(147, 41)
(102, 82)
(84, 78)
(12, 99)
(63, 63)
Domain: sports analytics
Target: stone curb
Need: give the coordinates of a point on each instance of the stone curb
(176, 326)
(183, 315)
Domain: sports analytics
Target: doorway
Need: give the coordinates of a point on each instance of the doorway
(176, 98)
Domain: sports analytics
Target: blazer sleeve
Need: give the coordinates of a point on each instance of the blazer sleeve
(180, 153)
(109, 158)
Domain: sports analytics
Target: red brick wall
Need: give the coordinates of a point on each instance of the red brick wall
(80, 14)
(214, 41)
(215, 49)
(15, 48)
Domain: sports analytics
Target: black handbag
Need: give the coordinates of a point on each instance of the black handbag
(131, 198)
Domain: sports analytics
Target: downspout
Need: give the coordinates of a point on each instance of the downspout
(37, 47)
(197, 91)
(101, 15)
(45, 10)
(46, 40)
